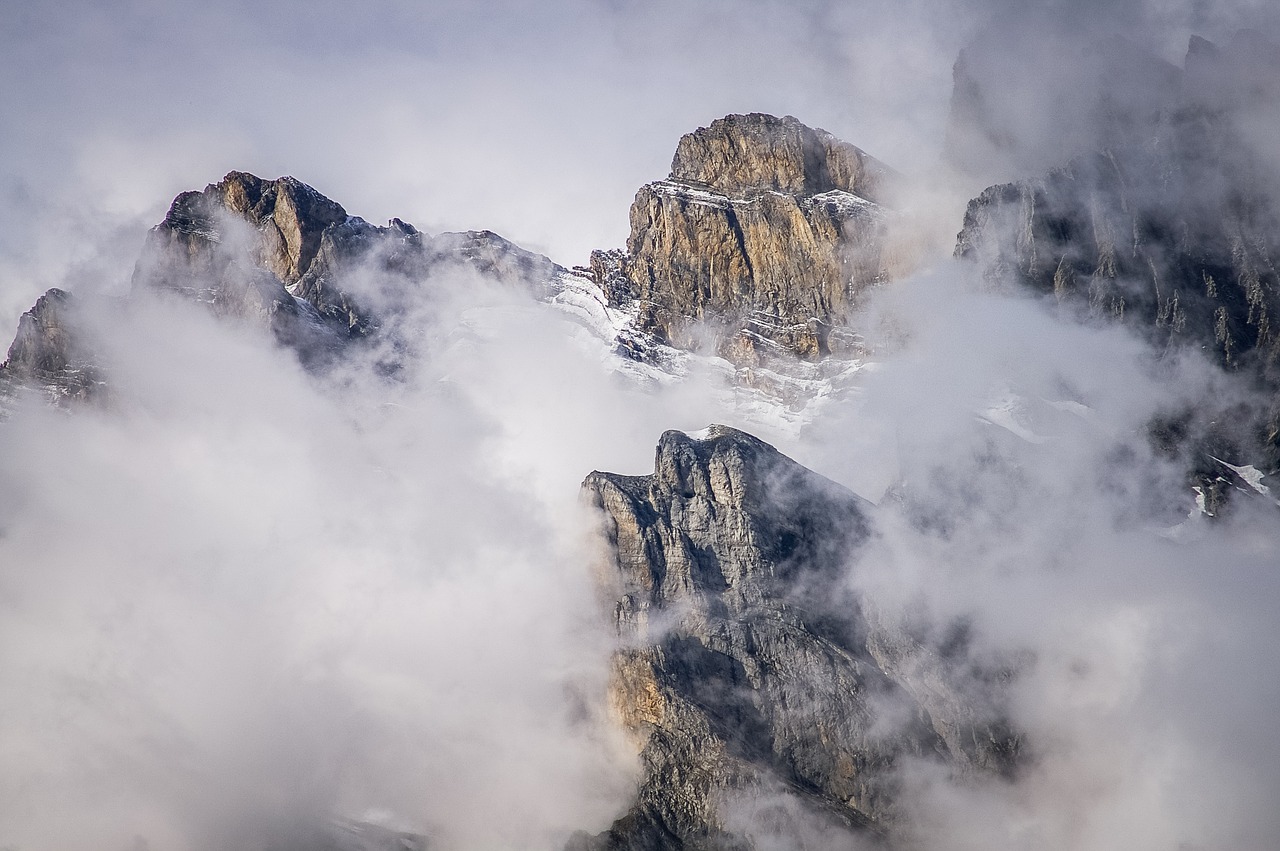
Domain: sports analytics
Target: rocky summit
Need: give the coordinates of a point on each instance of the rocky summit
(747, 671)
(761, 240)
(1171, 229)
(51, 353)
(282, 254)
(763, 694)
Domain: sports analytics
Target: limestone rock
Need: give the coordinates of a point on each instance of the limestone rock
(50, 352)
(234, 245)
(747, 673)
(279, 252)
(291, 216)
(1175, 235)
(765, 235)
(742, 154)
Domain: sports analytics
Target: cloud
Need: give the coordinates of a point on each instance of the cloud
(241, 598)
(237, 600)
(1142, 683)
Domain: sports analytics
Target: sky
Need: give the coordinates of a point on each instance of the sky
(245, 598)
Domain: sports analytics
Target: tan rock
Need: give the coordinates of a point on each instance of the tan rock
(766, 234)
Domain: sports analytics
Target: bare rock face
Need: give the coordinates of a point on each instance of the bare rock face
(747, 674)
(763, 237)
(291, 216)
(279, 252)
(1169, 226)
(49, 352)
(237, 245)
(1172, 231)
(742, 154)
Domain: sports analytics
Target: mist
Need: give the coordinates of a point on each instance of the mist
(1032, 507)
(243, 599)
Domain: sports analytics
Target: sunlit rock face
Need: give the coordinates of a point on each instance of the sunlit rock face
(763, 238)
(1171, 229)
(747, 673)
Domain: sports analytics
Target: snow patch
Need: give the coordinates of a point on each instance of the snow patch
(1251, 476)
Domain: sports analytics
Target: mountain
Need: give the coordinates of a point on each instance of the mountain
(747, 671)
(760, 241)
(1169, 227)
(50, 353)
(784, 212)
(279, 252)
(766, 694)
(765, 236)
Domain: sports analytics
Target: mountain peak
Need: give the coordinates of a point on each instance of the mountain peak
(764, 236)
(749, 153)
(50, 352)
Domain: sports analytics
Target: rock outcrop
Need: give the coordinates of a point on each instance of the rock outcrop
(1168, 226)
(50, 352)
(1172, 231)
(279, 252)
(764, 236)
(748, 672)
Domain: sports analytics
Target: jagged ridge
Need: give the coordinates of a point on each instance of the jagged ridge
(745, 668)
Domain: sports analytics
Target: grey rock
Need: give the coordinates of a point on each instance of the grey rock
(235, 245)
(51, 353)
(741, 154)
(748, 673)
(280, 253)
(1173, 232)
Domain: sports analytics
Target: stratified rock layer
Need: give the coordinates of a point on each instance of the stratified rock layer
(765, 235)
(747, 672)
(280, 252)
(751, 153)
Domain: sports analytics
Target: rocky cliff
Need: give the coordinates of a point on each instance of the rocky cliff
(279, 252)
(1170, 229)
(237, 245)
(746, 672)
(51, 352)
(762, 239)
(764, 697)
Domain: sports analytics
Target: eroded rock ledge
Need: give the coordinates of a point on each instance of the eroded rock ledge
(1172, 230)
